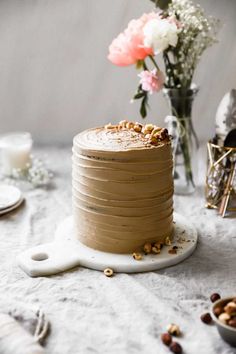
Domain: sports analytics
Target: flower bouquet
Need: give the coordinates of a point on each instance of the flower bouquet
(179, 32)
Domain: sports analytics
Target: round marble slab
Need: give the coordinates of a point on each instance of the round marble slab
(66, 252)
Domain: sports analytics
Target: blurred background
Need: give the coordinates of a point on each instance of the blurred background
(55, 79)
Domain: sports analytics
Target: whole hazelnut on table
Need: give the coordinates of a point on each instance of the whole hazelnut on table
(166, 339)
(108, 272)
(206, 318)
(214, 297)
(173, 329)
(176, 348)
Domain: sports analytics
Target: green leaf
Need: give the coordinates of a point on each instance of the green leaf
(143, 109)
(162, 4)
(139, 95)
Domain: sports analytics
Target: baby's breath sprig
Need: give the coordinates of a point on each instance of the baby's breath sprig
(198, 33)
(35, 173)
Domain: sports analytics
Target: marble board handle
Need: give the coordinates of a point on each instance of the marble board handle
(48, 259)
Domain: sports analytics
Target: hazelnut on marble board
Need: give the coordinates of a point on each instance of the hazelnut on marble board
(156, 250)
(158, 245)
(147, 248)
(137, 256)
(168, 241)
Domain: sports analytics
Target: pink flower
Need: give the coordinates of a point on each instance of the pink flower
(152, 81)
(129, 46)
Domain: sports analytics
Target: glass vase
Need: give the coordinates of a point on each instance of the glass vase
(185, 141)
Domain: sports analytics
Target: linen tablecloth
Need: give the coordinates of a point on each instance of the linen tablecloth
(90, 313)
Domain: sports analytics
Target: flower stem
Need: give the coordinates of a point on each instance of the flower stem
(154, 62)
(145, 66)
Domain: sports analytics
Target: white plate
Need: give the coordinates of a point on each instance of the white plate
(9, 196)
(13, 207)
(66, 252)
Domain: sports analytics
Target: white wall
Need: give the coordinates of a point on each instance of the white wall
(55, 79)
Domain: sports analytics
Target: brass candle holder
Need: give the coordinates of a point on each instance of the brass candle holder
(220, 189)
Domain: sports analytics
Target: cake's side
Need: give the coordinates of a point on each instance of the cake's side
(122, 188)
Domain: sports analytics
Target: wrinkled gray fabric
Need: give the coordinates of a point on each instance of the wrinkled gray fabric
(90, 313)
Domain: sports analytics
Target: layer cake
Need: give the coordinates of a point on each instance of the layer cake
(122, 186)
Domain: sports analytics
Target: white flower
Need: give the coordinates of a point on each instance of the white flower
(159, 34)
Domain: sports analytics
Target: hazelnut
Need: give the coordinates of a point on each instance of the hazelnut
(147, 129)
(173, 329)
(137, 127)
(164, 133)
(232, 322)
(230, 308)
(158, 245)
(166, 339)
(123, 123)
(109, 126)
(129, 125)
(156, 130)
(172, 251)
(218, 310)
(108, 272)
(137, 256)
(147, 248)
(176, 348)
(214, 297)
(206, 318)
(168, 241)
(224, 317)
(156, 250)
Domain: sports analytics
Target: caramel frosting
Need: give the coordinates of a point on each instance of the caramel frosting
(122, 187)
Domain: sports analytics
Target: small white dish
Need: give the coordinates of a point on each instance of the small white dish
(13, 207)
(9, 196)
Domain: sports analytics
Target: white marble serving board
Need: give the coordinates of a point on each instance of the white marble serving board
(66, 252)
